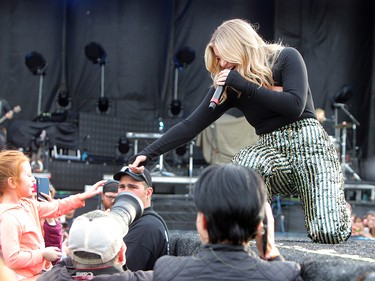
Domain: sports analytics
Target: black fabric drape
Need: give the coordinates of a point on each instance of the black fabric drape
(336, 41)
(139, 37)
(26, 134)
(142, 36)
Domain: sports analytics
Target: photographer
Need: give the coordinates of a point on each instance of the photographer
(148, 237)
(231, 204)
(96, 247)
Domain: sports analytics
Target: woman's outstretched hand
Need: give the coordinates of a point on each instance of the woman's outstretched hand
(135, 165)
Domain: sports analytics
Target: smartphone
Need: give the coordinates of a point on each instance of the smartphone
(42, 185)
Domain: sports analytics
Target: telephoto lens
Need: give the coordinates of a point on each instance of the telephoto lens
(126, 209)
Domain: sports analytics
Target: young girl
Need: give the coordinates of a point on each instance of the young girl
(21, 240)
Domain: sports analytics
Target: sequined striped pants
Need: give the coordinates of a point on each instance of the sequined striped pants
(300, 159)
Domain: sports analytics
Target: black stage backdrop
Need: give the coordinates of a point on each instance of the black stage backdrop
(141, 37)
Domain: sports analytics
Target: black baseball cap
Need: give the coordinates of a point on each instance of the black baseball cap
(145, 176)
(110, 186)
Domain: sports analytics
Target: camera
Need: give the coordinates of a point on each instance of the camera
(126, 209)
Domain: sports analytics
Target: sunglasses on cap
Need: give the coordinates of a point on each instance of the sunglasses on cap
(127, 171)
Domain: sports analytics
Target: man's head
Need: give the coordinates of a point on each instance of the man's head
(110, 191)
(139, 184)
(96, 238)
(230, 200)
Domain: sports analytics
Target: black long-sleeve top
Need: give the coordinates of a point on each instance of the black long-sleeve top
(266, 110)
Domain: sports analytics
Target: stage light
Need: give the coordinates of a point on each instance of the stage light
(338, 101)
(175, 107)
(96, 53)
(123, 145)
(343, 95)
(103, 104)
(181, 150)
(36, 63)
(63, 99)
(184, 57)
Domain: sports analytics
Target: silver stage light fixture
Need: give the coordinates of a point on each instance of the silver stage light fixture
(36, 63)
(97, 55)
(182, 59)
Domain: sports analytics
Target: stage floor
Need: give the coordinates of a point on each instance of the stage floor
(319, 262)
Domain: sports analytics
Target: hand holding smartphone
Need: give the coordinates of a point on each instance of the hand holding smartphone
(265, 240)
(265, 235)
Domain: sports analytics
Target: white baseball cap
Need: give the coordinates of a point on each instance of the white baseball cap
(96, 232)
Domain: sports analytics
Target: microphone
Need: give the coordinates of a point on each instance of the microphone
(216, 97)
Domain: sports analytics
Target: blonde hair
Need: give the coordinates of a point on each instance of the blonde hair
(10, 166)
(238, 42)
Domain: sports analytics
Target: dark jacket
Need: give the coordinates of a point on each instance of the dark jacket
(146, 241)
(224, 262)
(63, 271)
